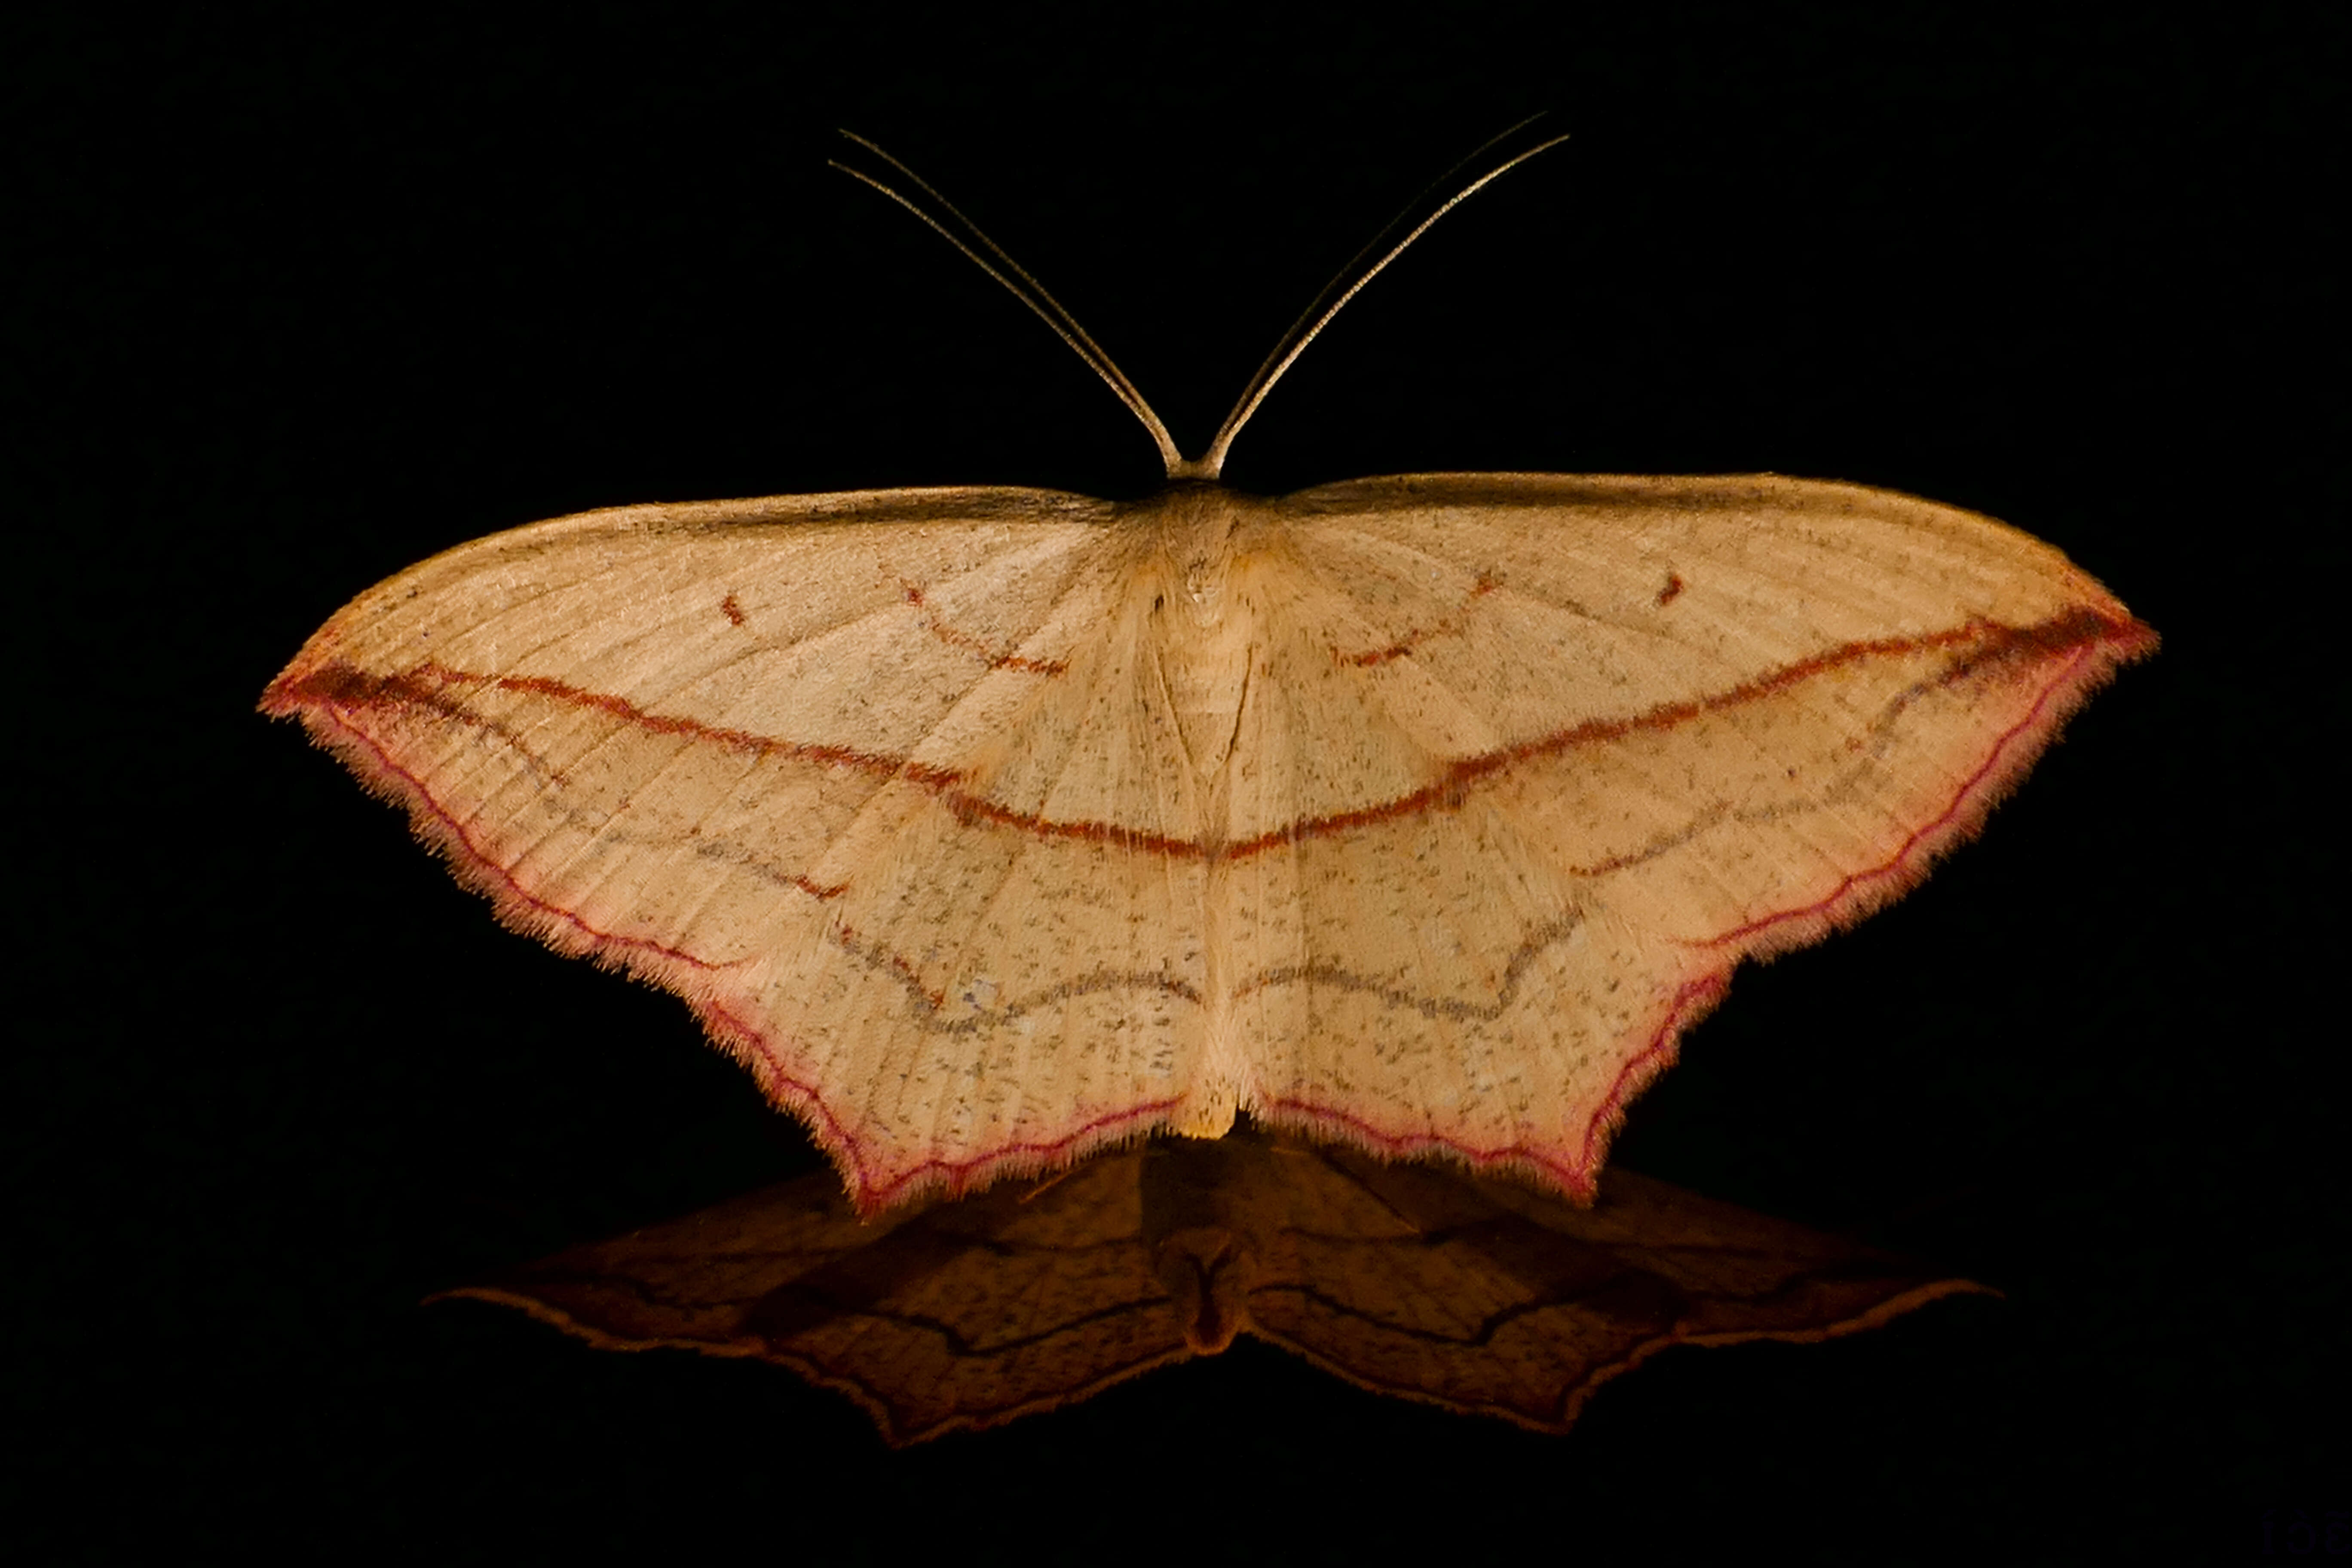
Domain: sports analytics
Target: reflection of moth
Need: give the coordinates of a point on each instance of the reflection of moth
(990, 826)
(1405, 1280)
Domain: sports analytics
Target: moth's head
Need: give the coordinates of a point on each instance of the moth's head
(1503, 154)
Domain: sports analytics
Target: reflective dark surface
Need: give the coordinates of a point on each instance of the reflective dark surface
(1411, 1280)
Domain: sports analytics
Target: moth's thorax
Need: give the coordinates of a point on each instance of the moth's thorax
(1202, 537)
(1199, 529)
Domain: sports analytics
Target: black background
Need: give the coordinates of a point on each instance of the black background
(300, 301)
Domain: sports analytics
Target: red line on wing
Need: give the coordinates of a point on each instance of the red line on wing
(955, 637)
(969, 808)
(2075, 629)
(1412, 640)
(340, 684)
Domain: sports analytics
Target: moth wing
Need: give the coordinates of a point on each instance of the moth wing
(791, 759)
(1622, 733)
(931, 1317)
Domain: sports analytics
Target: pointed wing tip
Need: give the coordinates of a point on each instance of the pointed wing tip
(2097, 647)
(2134, 640)
(290, 695)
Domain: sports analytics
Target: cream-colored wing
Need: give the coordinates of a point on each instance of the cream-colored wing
(859, 776)
(1532, 762)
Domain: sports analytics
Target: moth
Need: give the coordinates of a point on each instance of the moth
(990, 825)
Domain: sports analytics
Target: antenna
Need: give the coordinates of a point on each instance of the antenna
(965, 235)
(1351, 278)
